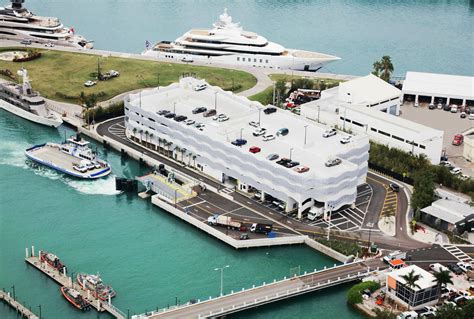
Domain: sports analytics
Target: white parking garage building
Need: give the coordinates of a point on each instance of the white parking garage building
(337, 109)
(434, 88)
(209, 149)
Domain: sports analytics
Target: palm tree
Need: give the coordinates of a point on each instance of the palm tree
(386, 68)
(410, 280)
(377, 68)
(442, 278)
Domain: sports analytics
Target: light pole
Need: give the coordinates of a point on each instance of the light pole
(305, 129)
(319, 111)
(329, 221)
(259, 115)
(222, 277)
(241, 133)
(215, 101)
(174, 107)
(370, 225)
(14, 295)
(291, 151)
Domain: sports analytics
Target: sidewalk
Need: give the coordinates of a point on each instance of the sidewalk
(429, 236)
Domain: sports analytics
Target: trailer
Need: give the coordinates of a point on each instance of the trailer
(222, 220)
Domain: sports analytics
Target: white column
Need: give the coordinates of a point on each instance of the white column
(26, 252)
(432, 99)
(464, 102)
(416, 98)
(448, 100)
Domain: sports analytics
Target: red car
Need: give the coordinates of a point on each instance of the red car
(458, 139)
(301, 169)
(254, 149)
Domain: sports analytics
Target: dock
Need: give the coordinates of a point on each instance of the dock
(269, 292)
(22, 310)
(62, 279)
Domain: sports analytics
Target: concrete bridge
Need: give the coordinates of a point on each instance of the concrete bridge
(271, 292)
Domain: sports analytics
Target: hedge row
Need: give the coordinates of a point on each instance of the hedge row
(354, 295)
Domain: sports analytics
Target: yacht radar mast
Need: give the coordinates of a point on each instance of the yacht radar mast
(17, 4)
(225, 22)
(26, 87)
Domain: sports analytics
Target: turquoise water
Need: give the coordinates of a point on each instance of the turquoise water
(148, 256)
(423, 35)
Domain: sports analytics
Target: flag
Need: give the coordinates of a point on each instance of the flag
(147, 45)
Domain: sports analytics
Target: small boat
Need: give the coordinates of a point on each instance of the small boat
(73, 157)
(52, 260)
(96, 286)
(75, 298)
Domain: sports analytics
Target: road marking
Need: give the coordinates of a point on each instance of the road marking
(186, 207)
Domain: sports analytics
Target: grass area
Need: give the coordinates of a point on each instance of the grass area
(263, 96)
(344, 247)
(61, 75)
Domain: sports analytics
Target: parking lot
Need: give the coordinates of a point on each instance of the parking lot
(450, 123)
(345, 219)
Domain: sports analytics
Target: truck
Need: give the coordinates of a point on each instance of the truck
(222, 220)
(315, 212)
(261, 228)
(437, 267)
(395, 255)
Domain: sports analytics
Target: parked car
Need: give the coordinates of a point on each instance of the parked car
(440, 106)
(268, 137)
(471, 116)
(455, 269)
(454, 109)
(244, 236)
(333, 162)
(259, 131)
(272, 157)
(283, 131)
(180, 118)
(215, 118)
(113, 73)
(199, 109)
(26, 42)
(346, 139)
(456, 171)
(431, 106)
(254, 124)
(463, 115)
(292, 164)
(329, 133)
(189, 122)
(467, 110)
(437, 267)
(447, 107)
(394, 187)
(200, 87)
(170, 115)
(283, 161)
(239, 142)
(162, 112)
(187, 59)
(270, 110)
(223, 119)
(209, 113)
(448, 164)
(89, 83)
(458, 139)
(465, 267)
(302, 169)
(49, 45)
(254, 149)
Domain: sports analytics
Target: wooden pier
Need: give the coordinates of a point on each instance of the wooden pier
(63, 280)
(25, 312)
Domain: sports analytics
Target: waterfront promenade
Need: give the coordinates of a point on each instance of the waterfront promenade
(271, 292)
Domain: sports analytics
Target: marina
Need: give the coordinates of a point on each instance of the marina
(19, 308)
(63, 280)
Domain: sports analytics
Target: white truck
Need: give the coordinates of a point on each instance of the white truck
(437, 267)
(395, 255)
(315, 212)
(222, 220)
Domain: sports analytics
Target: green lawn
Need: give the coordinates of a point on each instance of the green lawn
(61, 75)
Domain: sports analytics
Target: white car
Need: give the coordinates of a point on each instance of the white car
(218, 116)
(90, 83)
(346, 139)
(49, 45)
(464, 266)
(200, 87)
(440, 106)
(456, 171)
(114, 73)
(187, 59)
(259, 131)
(268, 137)
(223, 119)
(471, 116)
(332, 162)
(330, 133)
(189, 122)
(254, 124)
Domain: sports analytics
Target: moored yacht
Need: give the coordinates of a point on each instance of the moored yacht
(18, 23)
(22, 101)
(75, 298)
(228, 43)
(96, 286)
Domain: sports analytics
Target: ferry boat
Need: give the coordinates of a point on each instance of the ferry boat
(228, 43)
(22, 101)
(96, 286)
(18, 23)
(73, 157)
(52, 260)
(75, 298)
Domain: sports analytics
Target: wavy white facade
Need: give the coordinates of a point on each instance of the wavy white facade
(211, 151)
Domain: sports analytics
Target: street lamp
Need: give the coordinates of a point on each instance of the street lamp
(174, 107)
(14, 295)
(329, 221)
(259, 115)
(215, 100)
(319, 111)
(305, 129)
(370, 225)
(222, 277)
(291, 151)
(241, 132)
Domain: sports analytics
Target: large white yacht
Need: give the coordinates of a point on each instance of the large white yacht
(18, 23)
(228, 43)
(22, 101)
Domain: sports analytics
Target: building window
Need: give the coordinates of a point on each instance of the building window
(261, 60)
(384, 133)
(254, 60)
(422, 147)
(357, 123)
(243, 59)
(373, 129)
(398, 138)
(266, 61)
(238, 58)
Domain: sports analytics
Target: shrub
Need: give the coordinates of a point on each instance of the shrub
(354, 295)
(100, 113)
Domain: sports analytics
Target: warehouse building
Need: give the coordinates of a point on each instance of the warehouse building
(439, 88)
(225, 146)
(448, 215)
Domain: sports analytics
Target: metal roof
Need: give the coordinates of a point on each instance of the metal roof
(432, 84)
(367, 90)
(450, 211)
(426, 280)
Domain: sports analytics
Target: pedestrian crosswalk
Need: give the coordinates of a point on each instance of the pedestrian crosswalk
(227, 190)
(458, 253)
(118, 130)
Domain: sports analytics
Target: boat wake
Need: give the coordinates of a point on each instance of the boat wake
(12, 154)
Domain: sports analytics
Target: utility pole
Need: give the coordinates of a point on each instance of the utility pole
(291, 151)
(329, 221)
(215, 101)
(305, 129)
